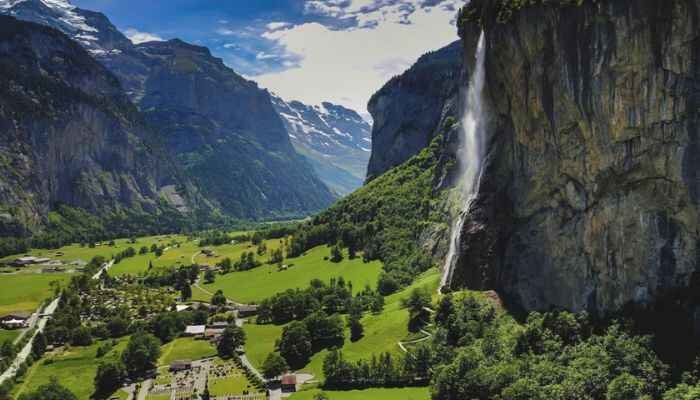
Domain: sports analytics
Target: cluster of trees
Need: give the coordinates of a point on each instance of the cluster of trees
(384, 370)
(335, 297)
(302, 339)
(181, 278)
(232, 338)
(485, 354)
(245, 263)
(218, 238)
(138, 358)
(126, 253)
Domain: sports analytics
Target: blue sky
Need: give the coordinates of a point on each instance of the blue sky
(309, 50)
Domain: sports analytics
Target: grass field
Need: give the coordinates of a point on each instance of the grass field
(232, 385)
(262, 282)
(382, 332)
(24, 292)
(234, 251)
(260, 341)
(185, 349)
(76, 252)
(9, 334)
(75, 369)
(412, 393)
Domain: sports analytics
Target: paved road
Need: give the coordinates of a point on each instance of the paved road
(105, 267)
(40, 323)
(145, 387)
(27, 349)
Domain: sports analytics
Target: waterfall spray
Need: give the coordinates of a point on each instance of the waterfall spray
(470, 157)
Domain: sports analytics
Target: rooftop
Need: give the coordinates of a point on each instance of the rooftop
(195, 329)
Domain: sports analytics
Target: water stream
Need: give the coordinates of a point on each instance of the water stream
(470, 157)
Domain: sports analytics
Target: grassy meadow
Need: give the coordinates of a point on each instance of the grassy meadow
(262, 282)
(382, 332)
(74, 368)
(25, 291)
(6, 334)
(260, 341)
(185, 349)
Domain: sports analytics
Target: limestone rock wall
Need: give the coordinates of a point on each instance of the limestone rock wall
(590, 196)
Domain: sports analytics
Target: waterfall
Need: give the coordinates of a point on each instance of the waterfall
(470, 157)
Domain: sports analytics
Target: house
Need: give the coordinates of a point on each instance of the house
(195, 330)
(213, 334)
(23, 261)
(218, 324)
(289, 383)
(180, 365)
(183, 307)
(246, 310)
(16, 320)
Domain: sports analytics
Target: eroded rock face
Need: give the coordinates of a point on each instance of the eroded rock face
(69, 134)
(408, 110)
(594, 155)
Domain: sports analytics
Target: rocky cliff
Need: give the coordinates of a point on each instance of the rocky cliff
(409, 109)
(590, 195)
(70, 136)
(222, 128)
(226, 133)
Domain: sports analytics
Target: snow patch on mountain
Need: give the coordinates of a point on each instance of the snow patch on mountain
(337, 139)
(61, 15)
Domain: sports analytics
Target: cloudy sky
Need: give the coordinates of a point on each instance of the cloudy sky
(308, 50)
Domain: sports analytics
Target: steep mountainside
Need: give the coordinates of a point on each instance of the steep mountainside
(227, 134)
(408, 109)
(223, 128)
(590, 196)
(70, 136)
(334, 138)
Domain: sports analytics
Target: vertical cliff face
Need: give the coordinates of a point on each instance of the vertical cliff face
(69, 134)
(408, 110)
(590, 195)
(226, 133)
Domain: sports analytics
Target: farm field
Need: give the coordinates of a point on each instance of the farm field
(262, 282)
(75, 369)
(234, 251)
(25, 291)
(382, 332)
(260, 341)
(75, 252)
(185, 349)
(6, 334)
(411, 393)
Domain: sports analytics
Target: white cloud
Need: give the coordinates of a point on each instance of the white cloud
(348, 66)
(225, 31)
(137, 36)
(273, 26)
